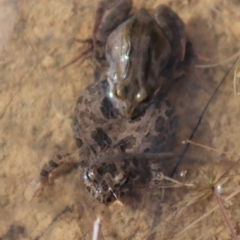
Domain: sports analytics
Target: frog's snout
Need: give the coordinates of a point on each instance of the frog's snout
(126, 109)
(128, 112)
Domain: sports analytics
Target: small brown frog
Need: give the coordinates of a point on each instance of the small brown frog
(138, 49)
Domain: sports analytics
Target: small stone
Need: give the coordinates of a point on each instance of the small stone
(48, 61)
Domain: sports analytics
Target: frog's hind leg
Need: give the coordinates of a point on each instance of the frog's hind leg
(174, 28)
(52, 164)
(104, 25)
(83, 55)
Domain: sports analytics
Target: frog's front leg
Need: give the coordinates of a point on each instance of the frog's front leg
(52, 164)
(104, 25)
(173, 27)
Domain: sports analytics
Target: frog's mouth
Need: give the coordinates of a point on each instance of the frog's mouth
(132, 113)
(129, 112)
(129, 107)
(135, 111)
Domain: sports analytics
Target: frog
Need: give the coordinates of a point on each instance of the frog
(138, 49)
(143, 52)
(120, 119)
(108, 142)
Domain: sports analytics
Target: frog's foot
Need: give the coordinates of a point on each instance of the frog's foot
(175, 71)
(83, 55)
(203, 58)
(88, 53)
(174, 28)
(104, 24)
(52, 164)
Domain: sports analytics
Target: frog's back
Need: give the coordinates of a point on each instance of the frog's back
(99, 125)
(139, 38)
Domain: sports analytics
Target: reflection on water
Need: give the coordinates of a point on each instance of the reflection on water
(37, 124)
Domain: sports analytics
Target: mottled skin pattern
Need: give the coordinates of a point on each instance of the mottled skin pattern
(99, 124)
(105, 138)
(112, 176)
(101, 130)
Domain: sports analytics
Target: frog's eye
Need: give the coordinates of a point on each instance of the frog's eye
(121, 91)
(141, 96)
(118, 93)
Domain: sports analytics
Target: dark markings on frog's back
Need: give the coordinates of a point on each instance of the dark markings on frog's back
(53, 164)
(126, 143)
(139, 112)
(108, 168)
(133, 175)
(104, 185)
(88, 188)
(107, 109)
(109, 199)
(169, 112)
(87, 101)
(79, 142)
(159, 141)
(93, 117)
(135, 162)
(160, 124)
(91, 89)
(44, 173)
(113, 169)
(93, 150)
(168, 103)
(158, 100)
(79, 101)
(81, 114)
(146, 150)
(174, 123)
(139, 129)
(101, 138)
(126, 164)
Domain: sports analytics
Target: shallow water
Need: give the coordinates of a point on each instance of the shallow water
(36, 106)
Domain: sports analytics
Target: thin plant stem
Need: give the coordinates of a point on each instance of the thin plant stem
(224, 214)
(235, 78)
(177, 182)
(209, 148)
(206, 214)
(96, 228)
(236, 55)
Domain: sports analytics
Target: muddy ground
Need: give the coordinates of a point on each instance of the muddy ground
(36, 109)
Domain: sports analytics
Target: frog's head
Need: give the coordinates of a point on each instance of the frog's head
(130, 98)
(133, 82)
